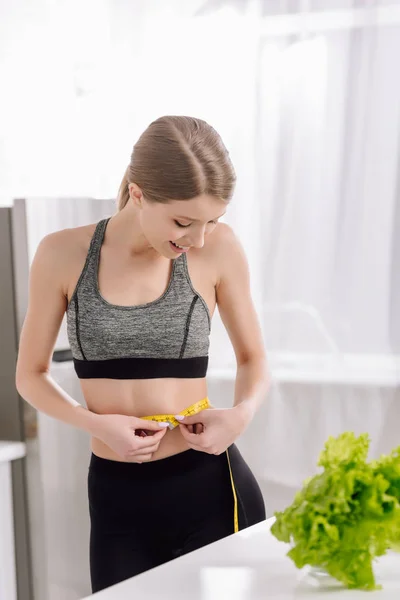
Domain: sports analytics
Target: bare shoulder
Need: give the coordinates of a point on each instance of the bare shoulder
(58, 256)
(225, 251)
(233, 294)
(64, 253)
(222, 241)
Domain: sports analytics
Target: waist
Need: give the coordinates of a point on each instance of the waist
(171, 466)
(140, 398)
(172, 444)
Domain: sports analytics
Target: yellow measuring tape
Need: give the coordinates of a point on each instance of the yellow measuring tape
(193, 410)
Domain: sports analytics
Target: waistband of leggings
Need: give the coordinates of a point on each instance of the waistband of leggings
(169, 466)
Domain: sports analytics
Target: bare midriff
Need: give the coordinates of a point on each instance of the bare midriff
(139, 398)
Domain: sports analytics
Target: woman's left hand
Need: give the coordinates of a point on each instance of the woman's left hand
(213, 430)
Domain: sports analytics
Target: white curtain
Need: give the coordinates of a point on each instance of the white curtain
(334, 122)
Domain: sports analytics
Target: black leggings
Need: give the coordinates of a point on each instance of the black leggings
(143, 515)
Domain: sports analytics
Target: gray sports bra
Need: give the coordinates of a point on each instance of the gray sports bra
(168, 337)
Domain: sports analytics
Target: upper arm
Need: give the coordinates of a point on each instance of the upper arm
(46, 307)
(234, 300)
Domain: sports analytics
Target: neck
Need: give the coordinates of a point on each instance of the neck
(125, 231)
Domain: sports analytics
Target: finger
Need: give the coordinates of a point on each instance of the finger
(140, 432)
(196, 428)
(148, 424)
(151, 433)
(149, 440)
(147, 443)
(192, 419)
(196, 441)
(184, 429)
(146, 433)
(157, 435)
(191, 438)
(145, 450)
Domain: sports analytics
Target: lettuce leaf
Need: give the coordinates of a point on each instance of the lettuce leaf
(346, 515)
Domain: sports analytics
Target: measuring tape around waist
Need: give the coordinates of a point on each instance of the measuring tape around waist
(187, 412)
(193, 409)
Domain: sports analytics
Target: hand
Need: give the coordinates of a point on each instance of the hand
(131, 438)
(213, 430)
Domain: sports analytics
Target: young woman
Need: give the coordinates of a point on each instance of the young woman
(139, 290)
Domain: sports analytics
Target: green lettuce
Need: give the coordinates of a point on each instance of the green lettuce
(346, 515)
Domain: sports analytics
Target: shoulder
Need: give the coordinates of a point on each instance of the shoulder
(66, 243)
(226, 252)
(64, 252)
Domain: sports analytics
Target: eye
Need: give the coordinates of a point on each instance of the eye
(180, 224)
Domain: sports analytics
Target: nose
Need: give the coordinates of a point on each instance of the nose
(197, 239)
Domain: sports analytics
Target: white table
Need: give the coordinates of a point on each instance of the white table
(249, 565)
(8, 586)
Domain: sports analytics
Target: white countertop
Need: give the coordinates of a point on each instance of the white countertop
(249, 565)
(336, 369)
(11, 450)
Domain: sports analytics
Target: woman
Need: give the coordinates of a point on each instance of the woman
(139, 290)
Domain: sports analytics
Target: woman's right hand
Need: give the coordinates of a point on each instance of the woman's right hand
(125, 436)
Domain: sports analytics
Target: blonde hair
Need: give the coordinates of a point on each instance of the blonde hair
(179, 158)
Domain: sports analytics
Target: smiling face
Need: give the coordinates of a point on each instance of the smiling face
(184, 223)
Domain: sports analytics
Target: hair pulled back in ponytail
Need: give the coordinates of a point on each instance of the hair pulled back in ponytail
(179, 158)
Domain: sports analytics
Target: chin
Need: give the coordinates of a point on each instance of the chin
(166, 251)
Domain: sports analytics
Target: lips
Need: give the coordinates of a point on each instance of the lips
(176, 249)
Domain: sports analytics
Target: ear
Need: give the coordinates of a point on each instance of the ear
(135, 194)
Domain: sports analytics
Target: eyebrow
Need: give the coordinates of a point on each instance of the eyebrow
(190, 218)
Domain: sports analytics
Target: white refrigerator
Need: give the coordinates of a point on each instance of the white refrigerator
(51, 524)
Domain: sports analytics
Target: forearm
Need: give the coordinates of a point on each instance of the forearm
(251, 386)
(43, 393)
